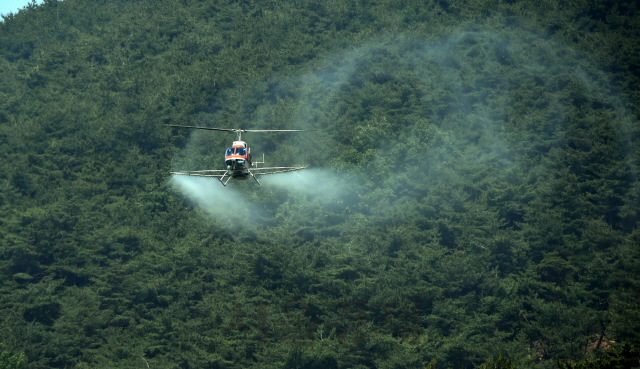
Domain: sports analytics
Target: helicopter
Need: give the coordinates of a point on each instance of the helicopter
(238, 158)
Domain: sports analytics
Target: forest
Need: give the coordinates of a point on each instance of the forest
(471, 198)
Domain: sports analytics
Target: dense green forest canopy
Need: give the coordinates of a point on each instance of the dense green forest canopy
(472, 192)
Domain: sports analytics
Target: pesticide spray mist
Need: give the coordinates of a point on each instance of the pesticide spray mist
(404, 119)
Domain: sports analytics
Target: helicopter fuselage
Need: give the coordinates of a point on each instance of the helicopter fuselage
(238, 160)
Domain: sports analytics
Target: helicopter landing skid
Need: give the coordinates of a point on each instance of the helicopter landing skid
(254, 177)
(224, 183)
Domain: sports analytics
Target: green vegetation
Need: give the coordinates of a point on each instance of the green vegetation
(9, 361)
(474, 194)
(626, 356)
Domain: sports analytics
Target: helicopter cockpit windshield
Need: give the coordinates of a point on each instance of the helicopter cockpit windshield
(238, 151)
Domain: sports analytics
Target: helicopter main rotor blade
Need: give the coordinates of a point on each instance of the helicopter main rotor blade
(207, 128)
(240, 130)
(276, 130)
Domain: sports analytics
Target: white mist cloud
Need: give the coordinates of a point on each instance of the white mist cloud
(227, 204)
(321, 184)
(241, 202)
(428, 113)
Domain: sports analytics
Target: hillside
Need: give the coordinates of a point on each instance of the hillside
(472, 192)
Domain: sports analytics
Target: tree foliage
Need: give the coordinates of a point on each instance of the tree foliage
(473, 189)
